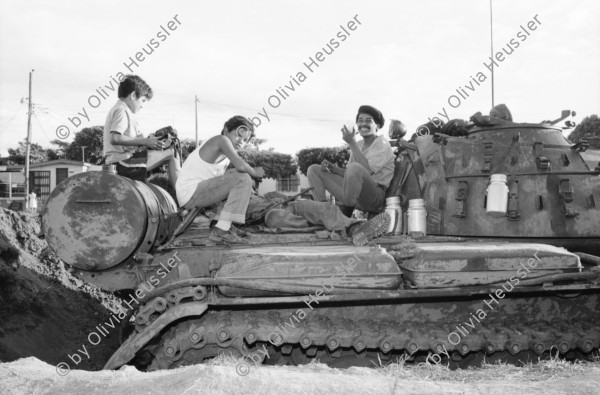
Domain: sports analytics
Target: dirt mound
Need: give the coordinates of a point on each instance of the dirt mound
(46, 312)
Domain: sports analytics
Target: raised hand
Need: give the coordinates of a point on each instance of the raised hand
(348, 134)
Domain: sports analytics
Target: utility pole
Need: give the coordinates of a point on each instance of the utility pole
(492, 51)
(27, 143)
(196, 106)
(83, 147)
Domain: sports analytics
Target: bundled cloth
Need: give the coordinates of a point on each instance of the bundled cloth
(169, 135)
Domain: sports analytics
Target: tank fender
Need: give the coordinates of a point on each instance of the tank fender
(135, 342)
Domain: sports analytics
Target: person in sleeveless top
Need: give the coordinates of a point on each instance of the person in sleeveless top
(204, 179)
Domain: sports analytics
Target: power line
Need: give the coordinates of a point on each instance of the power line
(40, 125)
(12, 118)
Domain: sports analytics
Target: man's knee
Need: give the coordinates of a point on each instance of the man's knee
(244, 179)
(157, 158)
(355, 169)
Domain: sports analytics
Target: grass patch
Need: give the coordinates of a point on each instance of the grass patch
(554, 367)
(542, 370)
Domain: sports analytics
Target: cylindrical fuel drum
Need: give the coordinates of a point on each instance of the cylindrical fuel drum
(97, 220)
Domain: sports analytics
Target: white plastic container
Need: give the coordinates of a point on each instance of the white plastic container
(392, 207)
(497, 196)
(417, 215)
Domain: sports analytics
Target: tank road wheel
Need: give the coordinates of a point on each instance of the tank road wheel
(192, 342)
(192, 356)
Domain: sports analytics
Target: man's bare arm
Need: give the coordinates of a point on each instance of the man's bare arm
(150, 142)
(240, 165)
(359, 157)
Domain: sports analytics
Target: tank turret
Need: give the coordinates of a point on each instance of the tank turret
(553, 194)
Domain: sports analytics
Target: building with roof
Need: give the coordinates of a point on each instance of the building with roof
(43, 178)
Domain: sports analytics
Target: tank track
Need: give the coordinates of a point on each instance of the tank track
(241, 333)
(151, 310)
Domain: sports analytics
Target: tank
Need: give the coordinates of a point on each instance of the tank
(520, 285)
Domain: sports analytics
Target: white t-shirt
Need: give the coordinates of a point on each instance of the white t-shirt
(381, 160)
(194, 171)
(119, 119)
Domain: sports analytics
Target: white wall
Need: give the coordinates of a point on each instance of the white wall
(16, 177)
(73, 169)
(270, 185)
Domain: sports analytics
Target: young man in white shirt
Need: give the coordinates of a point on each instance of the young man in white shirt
(124, 144)
(362, 184)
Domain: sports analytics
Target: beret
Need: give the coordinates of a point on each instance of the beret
(372, 111)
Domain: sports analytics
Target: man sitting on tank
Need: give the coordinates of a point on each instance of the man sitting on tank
(204, 180)
(124, 144)
(362, 184)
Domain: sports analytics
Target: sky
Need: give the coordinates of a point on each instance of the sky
(410, 59)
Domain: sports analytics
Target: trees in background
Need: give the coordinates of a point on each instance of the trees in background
(588, 127)
(275, 164)
(337, 155)
(16, 156)
(187, 146)
(90, 138)
(58, 153)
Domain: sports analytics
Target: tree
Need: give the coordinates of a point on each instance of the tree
(92, 139)
(187, 146)
(37, 154)
(54, 154)
(275, 164)
(254, 144)
(337, 155)
(58, 153)
(62, 145)
(589, 127)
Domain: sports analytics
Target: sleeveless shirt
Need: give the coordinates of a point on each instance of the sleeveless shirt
(194, 171)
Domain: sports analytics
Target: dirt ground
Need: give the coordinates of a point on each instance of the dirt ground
(46, 312)
(32, 376)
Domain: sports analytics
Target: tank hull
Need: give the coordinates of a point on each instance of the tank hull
(458, 299)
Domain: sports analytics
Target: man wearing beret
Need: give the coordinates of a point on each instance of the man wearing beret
(363, 182)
